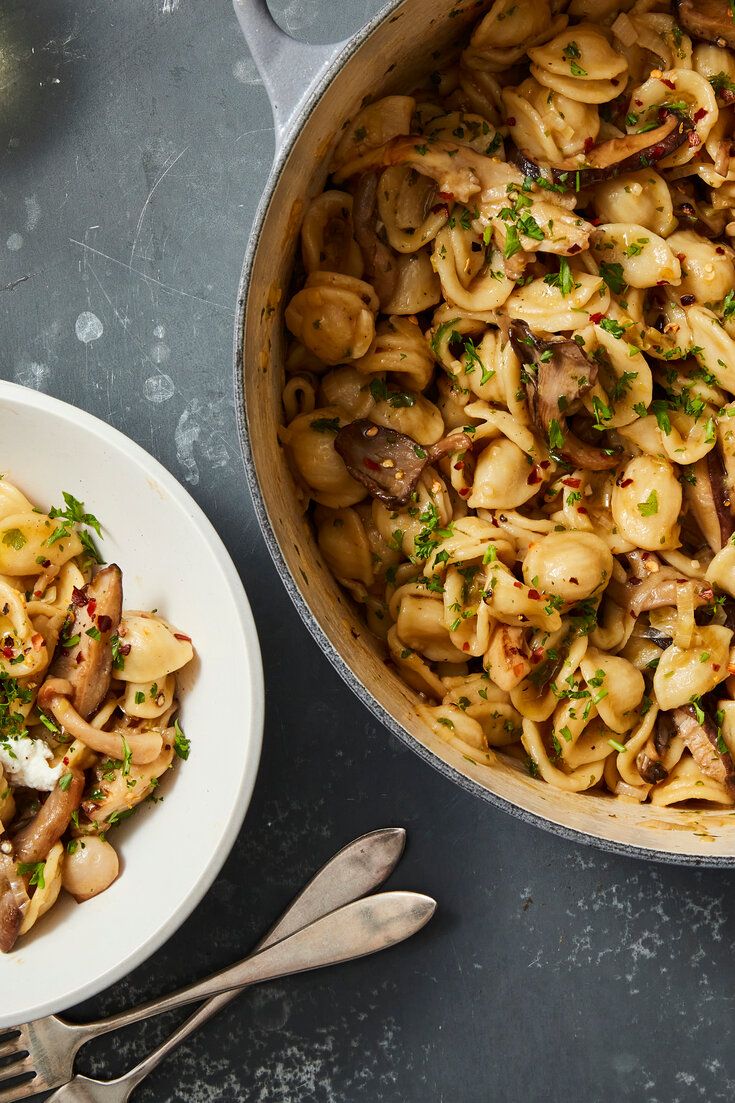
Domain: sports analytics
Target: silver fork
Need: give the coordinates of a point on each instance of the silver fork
(44, 1049)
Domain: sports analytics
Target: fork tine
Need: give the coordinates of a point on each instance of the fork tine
(21, 1091)
(21, 1065)
(14, 1045)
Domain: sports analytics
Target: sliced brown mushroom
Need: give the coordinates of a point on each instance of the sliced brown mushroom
(611, 158)
(142, 744)
(14, 900)
(648, 761)
(87, 665)
(389, 463)
(381, 269)
(651, 585)
(702, 739)
(708, 497)
(33, 842)
(560, 374)
(708, 20)
(722, 494)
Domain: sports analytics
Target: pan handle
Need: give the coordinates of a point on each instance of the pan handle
(289, 69)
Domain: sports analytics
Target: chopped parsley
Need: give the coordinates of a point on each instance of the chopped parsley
(650, 506)
(182, 745)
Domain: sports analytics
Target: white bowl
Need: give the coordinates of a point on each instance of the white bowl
(172, 559)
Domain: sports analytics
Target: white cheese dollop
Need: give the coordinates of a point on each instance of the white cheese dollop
(25, 762)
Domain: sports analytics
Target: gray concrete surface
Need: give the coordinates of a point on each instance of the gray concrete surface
(135, 139)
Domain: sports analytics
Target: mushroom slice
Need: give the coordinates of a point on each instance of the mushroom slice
(33, 842)
(611, 158)
(87, 665)
(389, 463)
(708, 20)
(648, 761)
(721, 494)
(659, 590)
(702, 740)
(14, 901)
(560, 374)
(381, 268)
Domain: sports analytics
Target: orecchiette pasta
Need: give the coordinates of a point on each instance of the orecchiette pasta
(88, 700)
(511, 397)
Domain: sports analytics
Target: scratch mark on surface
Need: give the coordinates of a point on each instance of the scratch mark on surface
(150, 279)
(152, 192)
(14, 283)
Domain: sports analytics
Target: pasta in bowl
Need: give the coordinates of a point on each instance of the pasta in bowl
(88, 704)
(177, 578)
(509, 392)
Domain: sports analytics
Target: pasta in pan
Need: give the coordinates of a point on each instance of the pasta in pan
(88, 704)
(511, 390)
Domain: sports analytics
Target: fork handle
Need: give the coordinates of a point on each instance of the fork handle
(353, 931)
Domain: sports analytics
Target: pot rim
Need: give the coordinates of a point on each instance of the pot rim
(283, 152)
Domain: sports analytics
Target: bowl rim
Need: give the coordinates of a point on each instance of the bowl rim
(108, 436)
(283, 152)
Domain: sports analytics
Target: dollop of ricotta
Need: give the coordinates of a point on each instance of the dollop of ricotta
(25, 762)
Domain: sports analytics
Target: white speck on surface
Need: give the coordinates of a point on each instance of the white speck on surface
(159, 388)
(15, 242)
(159, 332)
(201, 424)
(88, 327)
(300, 14)
(246, 71)
(170, 6)
(160, 353)
(33, 212)
(30, 373)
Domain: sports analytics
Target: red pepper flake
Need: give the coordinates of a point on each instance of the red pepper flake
(667, 82)
(518, 585)
(574, 483)
(574, 581)
(104, 623)
(440, 208)
(464, 491)
(180, 636)
(681, 257)
(80, 656)
(639, 103)
(688, 300)
(658, 151)
(720, 251)
(459, 466)
(124, 648)
(510, 121)
(446, 196)
(596, 221)
(78, 597)
(465, 647)
(625, 482)
(545, 463)
(8, 652)
(581, 509)
(589, 143)
(534, 595)
(536, 655)
(371, 464)
(596, 318)
(91, 607)
(694, 140)
(534, 477)
(715, 667)
(699, 115)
